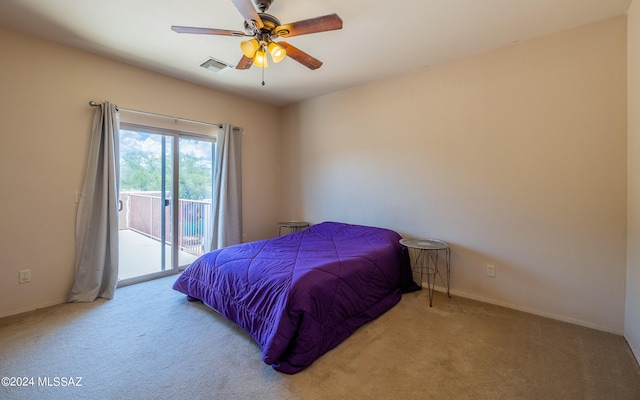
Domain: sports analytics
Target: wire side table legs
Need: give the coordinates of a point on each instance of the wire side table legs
(427, 264)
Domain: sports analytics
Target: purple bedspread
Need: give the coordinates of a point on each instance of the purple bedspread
(301, 294)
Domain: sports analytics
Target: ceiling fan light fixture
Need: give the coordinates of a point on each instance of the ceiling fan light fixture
(260, 31)
(260, 59)
(249, 47)
(277, 52)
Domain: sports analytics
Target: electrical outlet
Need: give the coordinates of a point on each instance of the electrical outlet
(25, 275)
(491, 271)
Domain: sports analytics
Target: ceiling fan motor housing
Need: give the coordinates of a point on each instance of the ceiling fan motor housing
(270, 23)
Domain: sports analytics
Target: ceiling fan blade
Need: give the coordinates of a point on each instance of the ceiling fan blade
(300, 56)
(206, 31)
(249, 13)
(244, 63)
(312, 25)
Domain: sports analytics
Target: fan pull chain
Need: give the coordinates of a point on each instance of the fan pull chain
(264, 47)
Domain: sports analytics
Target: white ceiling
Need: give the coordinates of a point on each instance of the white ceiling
(379, 39)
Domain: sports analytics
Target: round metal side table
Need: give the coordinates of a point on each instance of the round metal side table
(293, 226)
(426, 261)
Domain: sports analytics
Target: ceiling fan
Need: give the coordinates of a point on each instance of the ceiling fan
(264, 29)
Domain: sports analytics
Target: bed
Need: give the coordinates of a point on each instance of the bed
(302, 294)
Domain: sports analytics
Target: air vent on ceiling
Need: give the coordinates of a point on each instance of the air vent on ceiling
(215, 65)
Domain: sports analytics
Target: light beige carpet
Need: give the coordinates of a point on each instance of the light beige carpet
(150, 343)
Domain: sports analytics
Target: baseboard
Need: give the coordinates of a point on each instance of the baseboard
(33, 308)
(635, 348)
(562, 318)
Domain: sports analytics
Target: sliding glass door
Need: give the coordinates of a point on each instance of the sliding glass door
(165, 200)
(195, 183)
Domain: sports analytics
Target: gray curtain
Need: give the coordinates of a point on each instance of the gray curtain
(97, 219)
(227, 188)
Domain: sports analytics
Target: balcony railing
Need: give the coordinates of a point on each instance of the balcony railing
(142, 213)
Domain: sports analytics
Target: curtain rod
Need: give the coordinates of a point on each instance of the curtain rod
(94, 104)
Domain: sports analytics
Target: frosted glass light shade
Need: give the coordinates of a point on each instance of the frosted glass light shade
(249, 47)
(277, 52)
(260, 59)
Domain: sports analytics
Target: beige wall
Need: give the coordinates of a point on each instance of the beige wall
(516, 157)
(45, 124)
(632, 314)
